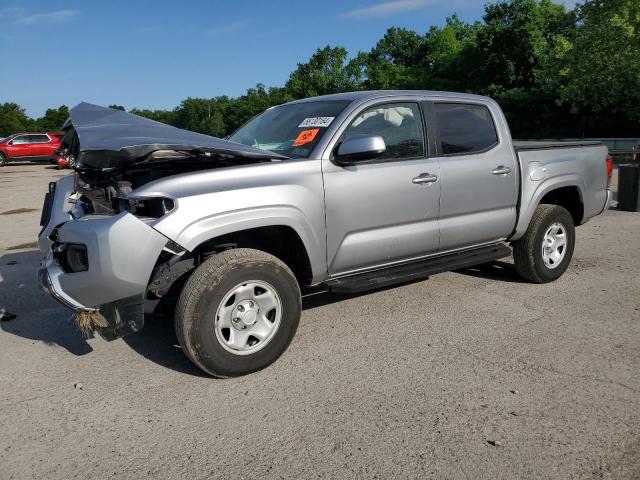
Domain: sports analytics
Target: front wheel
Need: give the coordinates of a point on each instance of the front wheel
(544, 252)
(238, 312)
(3, 160)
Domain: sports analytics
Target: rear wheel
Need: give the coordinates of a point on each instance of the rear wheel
(3, 160)
(544, 252)
(238, 312)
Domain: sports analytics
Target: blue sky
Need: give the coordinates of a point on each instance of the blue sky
(152, 54)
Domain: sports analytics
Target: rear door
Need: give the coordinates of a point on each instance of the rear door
(479, 177)
(40, 145)
(381, 211)
(19, 146)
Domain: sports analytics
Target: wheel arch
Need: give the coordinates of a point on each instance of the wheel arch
(281, 241)
(565, 191)
(292, 224)
(568, 197)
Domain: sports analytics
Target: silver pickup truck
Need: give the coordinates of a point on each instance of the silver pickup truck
(341, 193)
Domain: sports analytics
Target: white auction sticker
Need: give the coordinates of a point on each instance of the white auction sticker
(316, 122)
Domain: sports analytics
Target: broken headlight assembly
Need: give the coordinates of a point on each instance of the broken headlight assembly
(147, 208)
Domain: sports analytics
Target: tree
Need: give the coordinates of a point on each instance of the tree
(596, 70)
(515, 36)
(451, 57)
(327, 71)
(52, 119)
(13, 119)
(164, 116)
(117, 107)
(394, 62)
(255, 101)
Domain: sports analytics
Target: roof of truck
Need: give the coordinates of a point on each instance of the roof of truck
(371, 94)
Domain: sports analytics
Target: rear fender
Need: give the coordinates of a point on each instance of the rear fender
(533, 192)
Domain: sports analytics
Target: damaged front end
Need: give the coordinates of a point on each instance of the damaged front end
(100, 266)
(103, 257)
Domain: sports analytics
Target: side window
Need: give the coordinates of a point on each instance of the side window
(39, 139)
(20, 139)
(399, 124)
(465, 128)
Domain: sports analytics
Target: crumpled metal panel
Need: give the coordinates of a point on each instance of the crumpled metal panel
(112, 138)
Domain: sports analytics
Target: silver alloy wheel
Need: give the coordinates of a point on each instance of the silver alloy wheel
(554, 245)
(248, 317)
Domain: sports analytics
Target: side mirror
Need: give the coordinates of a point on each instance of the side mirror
(360, 148)
(10, 143)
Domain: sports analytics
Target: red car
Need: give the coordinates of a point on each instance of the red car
(28, 146)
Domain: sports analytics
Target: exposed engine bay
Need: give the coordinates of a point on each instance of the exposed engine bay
(105, 192)
(115, 152)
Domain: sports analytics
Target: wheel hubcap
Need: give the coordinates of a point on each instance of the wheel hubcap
(554, 245)
(248, 317)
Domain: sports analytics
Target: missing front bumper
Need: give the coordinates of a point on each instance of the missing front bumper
(112, 320)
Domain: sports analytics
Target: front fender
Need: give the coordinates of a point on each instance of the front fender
(223, 223)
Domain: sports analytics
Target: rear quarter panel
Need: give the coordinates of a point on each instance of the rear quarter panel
(545, 170)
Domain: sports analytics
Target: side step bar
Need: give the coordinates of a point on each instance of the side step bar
(417, 270)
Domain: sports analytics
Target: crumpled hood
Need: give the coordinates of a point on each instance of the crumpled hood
(113, 138)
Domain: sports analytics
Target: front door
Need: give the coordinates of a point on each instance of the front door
(478, 173)
(380, 212)
(19, 146)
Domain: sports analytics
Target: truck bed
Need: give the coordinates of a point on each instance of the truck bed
(523, 145)
(545, 166)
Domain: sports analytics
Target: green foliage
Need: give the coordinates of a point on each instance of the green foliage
(451, 57)
(394, 63)
(52, 120)
(596, 70)
(327, 71)
(13, 119)
(515, 36)
(556, 73)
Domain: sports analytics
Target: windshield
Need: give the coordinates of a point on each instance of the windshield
(290, 130)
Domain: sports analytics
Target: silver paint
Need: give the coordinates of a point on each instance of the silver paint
(349, 218)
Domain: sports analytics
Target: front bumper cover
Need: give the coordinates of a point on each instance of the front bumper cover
(122, 251)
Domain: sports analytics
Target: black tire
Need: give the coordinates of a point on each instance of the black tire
(3, 160)
(209, 285)
(527, 251)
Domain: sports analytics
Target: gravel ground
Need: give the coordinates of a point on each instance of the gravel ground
(472, 374)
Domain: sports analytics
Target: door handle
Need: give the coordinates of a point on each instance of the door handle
(424, 178)
(501, 170)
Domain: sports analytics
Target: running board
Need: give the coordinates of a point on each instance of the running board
(417, 270)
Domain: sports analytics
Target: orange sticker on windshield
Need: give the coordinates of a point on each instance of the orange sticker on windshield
(305, 136)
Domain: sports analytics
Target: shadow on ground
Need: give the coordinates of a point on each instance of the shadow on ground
(158, 343)
(40, 318)
(497, 270)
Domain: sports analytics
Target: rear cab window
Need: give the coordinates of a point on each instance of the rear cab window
(464, 128)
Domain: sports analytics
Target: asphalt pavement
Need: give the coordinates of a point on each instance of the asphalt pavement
(472, 374)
